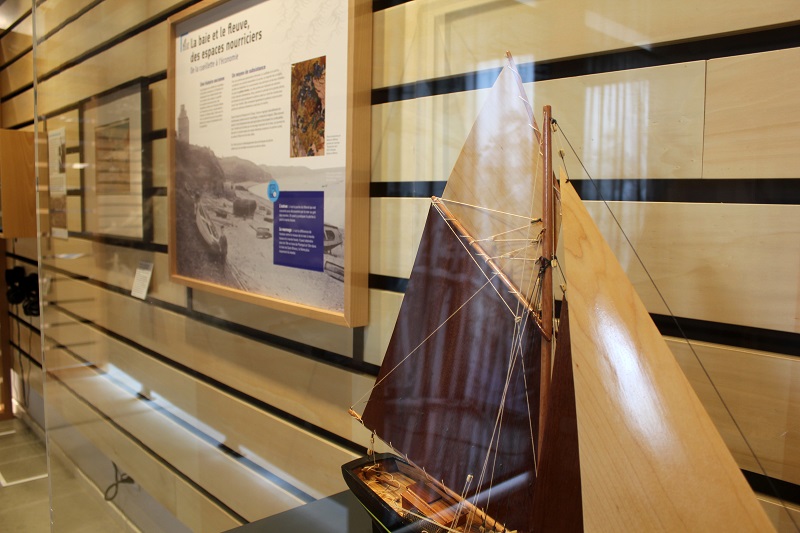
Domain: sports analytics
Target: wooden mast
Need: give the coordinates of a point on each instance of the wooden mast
(548, 221)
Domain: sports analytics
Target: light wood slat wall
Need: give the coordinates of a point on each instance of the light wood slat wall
(311, 390)
(753, 116)
(684, 128)
(308, 462)
(762, 390)
(430, 39)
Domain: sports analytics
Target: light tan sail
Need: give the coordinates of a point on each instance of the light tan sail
(651, 459)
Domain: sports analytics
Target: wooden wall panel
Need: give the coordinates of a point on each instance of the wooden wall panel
(70, 121)
(644, 123)
(243, 490)
(753, 116)
(74, 213)
(107, 20)
(17, 110)
(158, 105)
(430, 39)
(160, 166)
(143, 55)
(395, 228)
(289, 452)
(173, 492)
(336, 339)
(115, 265)
(160, 220)
(17, 75)
(309, 389)
(13, 10)
(727, 263)
(384, 306)
(761, 390)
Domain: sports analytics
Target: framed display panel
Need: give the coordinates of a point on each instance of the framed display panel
(114, 177)
(269, 114)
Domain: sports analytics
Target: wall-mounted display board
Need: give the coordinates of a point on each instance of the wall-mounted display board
(269, 153)
(114, 182)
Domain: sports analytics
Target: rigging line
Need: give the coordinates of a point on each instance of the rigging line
(515, 354)
(680, 329)
(532, 220)
(494, 237)
(472, 256)
(454, 313)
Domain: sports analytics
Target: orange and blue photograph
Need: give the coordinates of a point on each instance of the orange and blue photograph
(308, 108)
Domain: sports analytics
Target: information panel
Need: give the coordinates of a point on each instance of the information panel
(259, 190)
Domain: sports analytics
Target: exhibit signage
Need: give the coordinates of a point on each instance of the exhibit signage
(264, 178)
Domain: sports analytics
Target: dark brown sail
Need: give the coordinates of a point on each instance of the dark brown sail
(441, 403)
(557, 504)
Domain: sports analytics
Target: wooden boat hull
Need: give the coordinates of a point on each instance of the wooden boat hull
(384, 517)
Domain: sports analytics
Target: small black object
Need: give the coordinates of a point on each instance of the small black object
(14, 278)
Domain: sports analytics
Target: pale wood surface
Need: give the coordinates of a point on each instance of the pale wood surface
(18, 178)
(651, 459)
(288, 451)
(114, 265)
(158, 107)
(429, 38)
(160, 168)
(337, 339)
(701, 257)
(655, 112)
(761, 391)
(99, 73)
(74, 213)
(17, 110)
(12, 10)
(18, 74)
(396, 228)
(107, 20)
(384, 306)
(753, 116)
(70, 121)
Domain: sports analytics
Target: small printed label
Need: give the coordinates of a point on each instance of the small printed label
(141, 282)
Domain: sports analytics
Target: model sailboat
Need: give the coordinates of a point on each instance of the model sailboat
(506, 419)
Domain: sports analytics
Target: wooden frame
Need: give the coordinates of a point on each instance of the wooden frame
(115, 177)
(223, 220)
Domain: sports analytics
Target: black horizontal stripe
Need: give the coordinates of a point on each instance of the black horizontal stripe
(749, 338)
(380, 5)
(777, 488)
(734, 191)
(122, 242)
(730, 191)
(387, 283)
(703, 48)
(406, 189)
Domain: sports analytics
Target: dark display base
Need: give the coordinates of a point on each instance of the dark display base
(340, 513)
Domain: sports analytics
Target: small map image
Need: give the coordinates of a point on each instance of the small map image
(308, 108)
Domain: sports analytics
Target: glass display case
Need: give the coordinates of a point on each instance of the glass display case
(182, 409)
